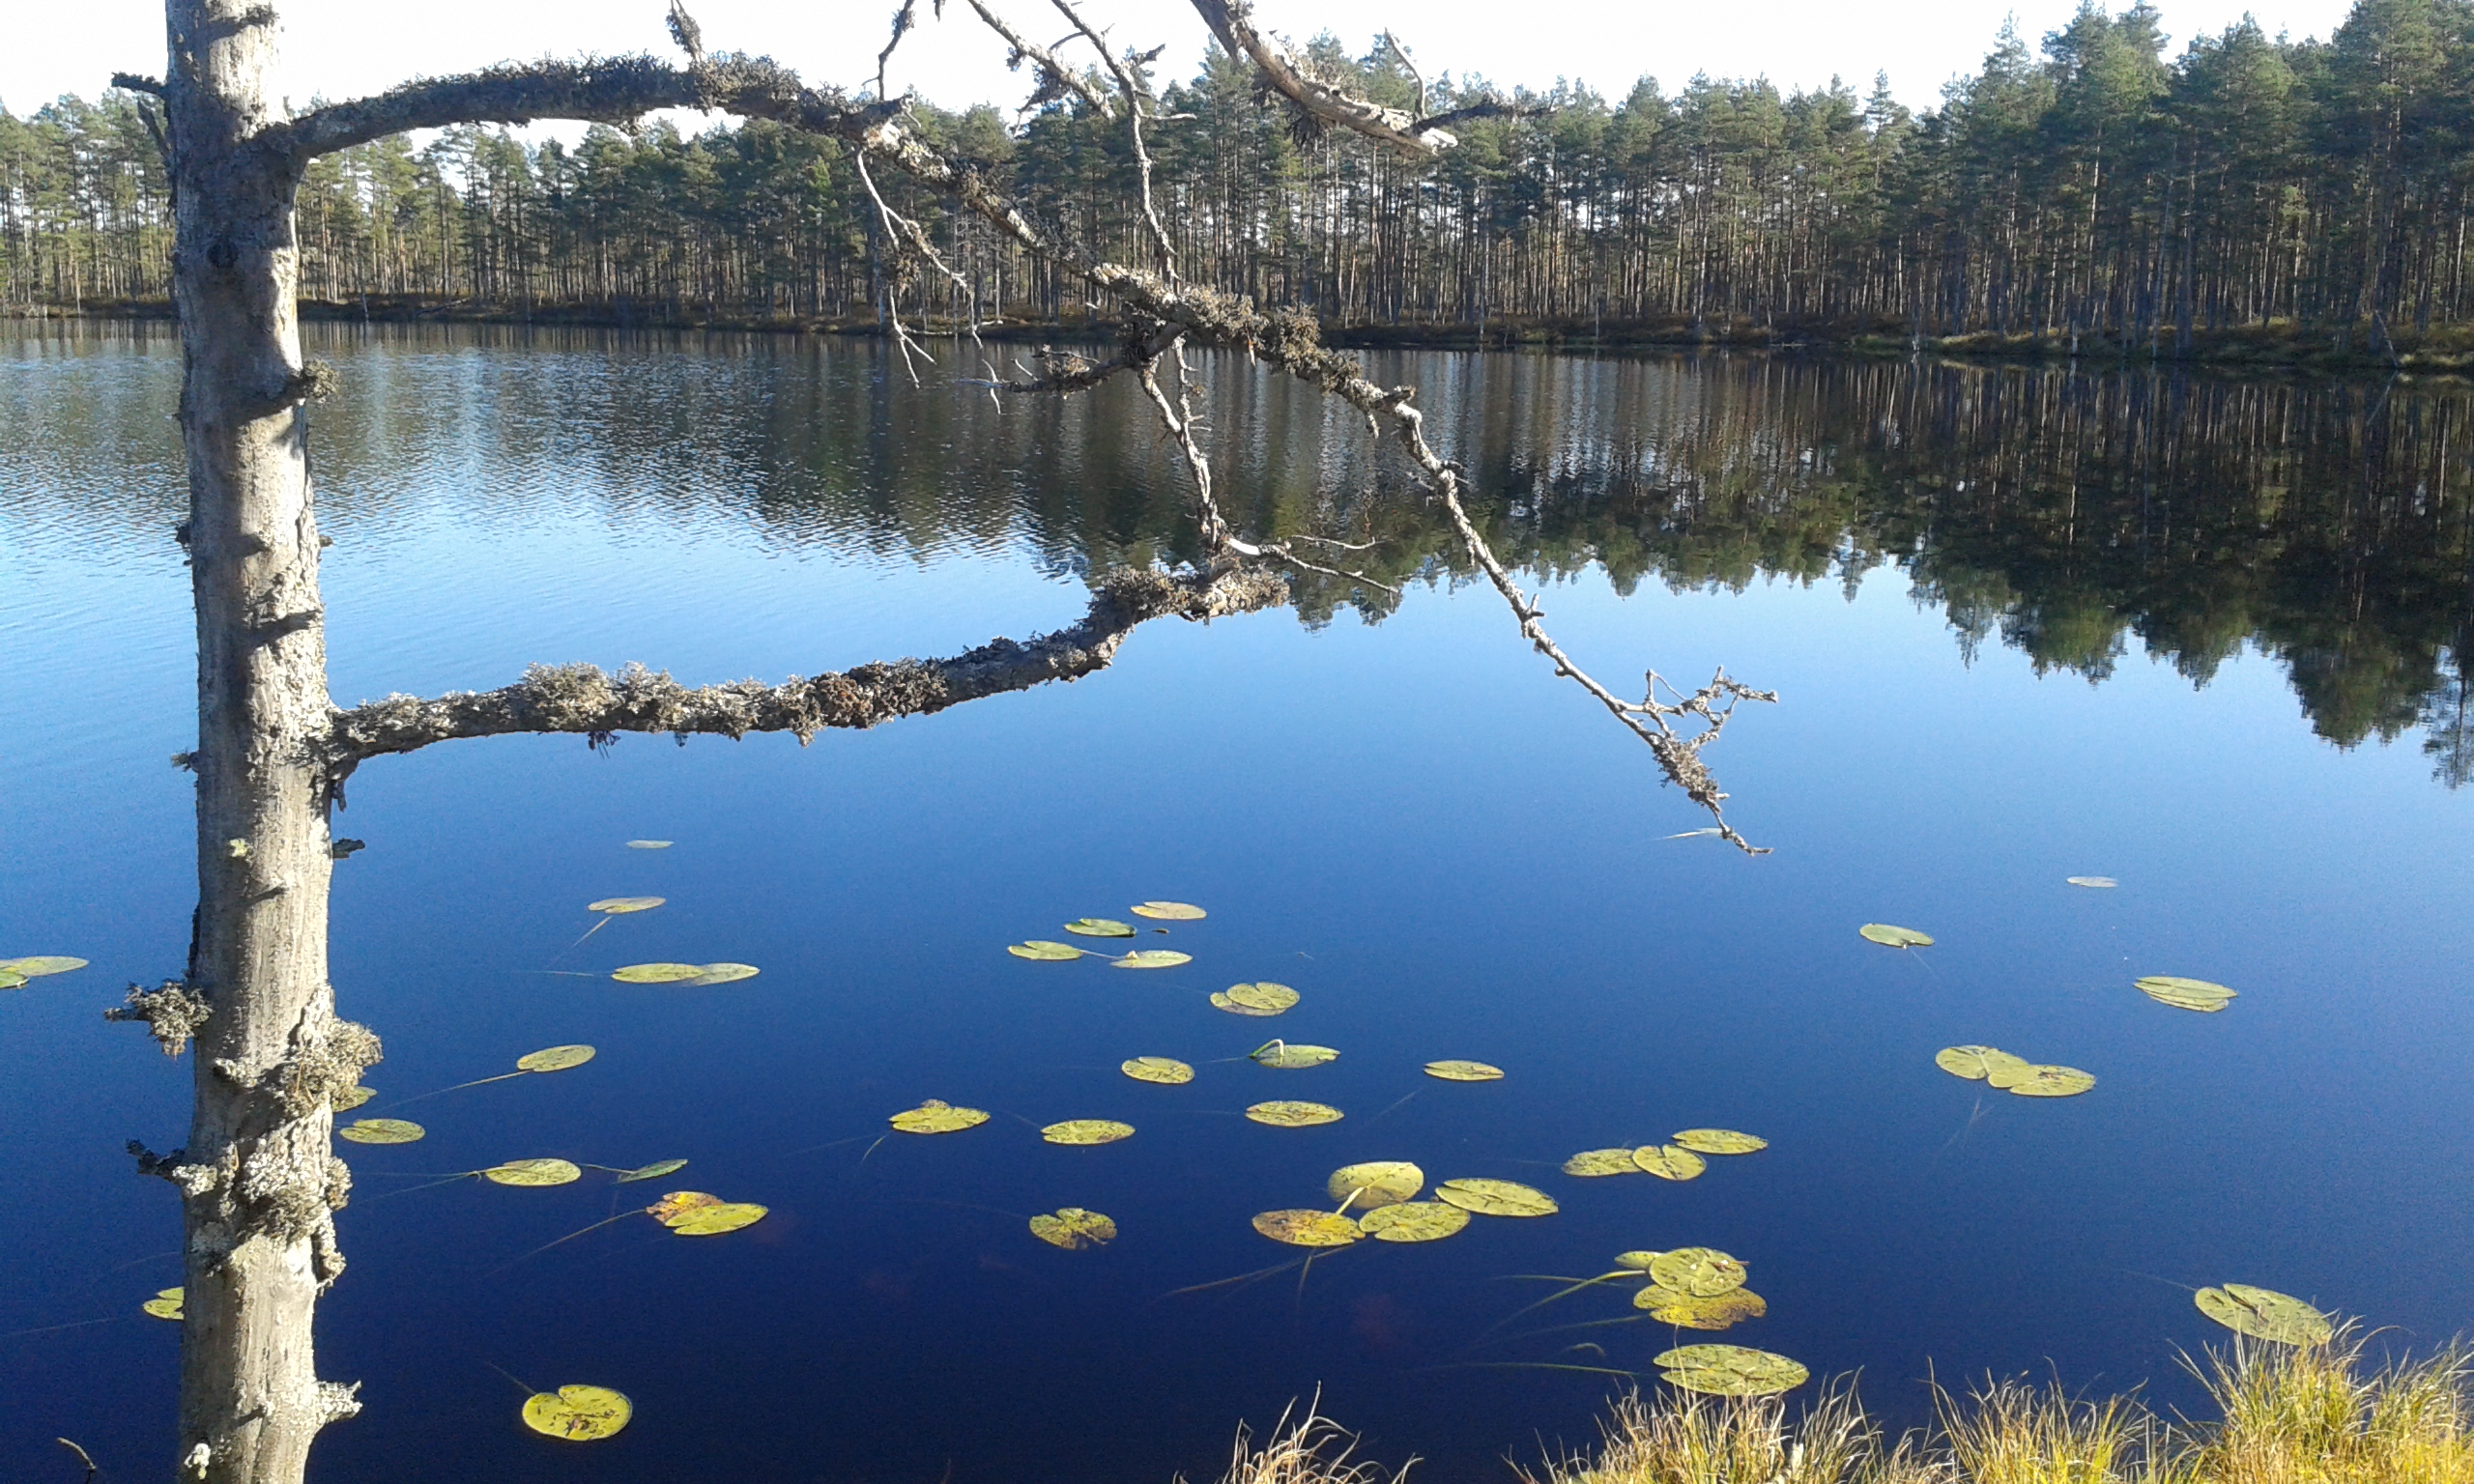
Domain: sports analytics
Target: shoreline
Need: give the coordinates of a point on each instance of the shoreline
(2282, 348)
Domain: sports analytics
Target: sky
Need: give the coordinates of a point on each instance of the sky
(337, 48)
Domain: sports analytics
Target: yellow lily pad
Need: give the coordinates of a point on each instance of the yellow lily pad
(1166, 1070)
(1087, 1131)
(554, 1059)
(936, 1116)
(1170, 911)
(2052, 1082)
(1591, 1163)
(1073, 1228)
(1719, 1141)
(1263, 999)
(1453, 1070)
(166, 1305)
(577, 1413)
(2264, 1314)
(1292, 1055)
(1496, 1198)
(1687, 1311)
(37, 965)
(381, 1131)
(352, 1097)
(1307, 1228)
(532, 1172)
(1293, 1115)
(1413, 1222)
(1668, 1162)
(1637, 1261)
(1730, 1370)
(1894, 937)
(1700, 1273)
(1044, 950)
(2004, 1071)
(1098, 928)
(657, 973)
(1966, 1062)
(653, 1171)
(617, 906)
(2185, 994)
(1376, 1183)
(11, 979)
(717, 1219)
(1151, 959)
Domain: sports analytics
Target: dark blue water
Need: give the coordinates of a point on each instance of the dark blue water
(1443, 848)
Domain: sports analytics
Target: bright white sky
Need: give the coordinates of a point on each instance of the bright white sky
(343, 47)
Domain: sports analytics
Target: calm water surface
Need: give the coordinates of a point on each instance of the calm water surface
(2206, 638)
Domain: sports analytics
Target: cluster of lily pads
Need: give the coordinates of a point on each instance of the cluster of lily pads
(2012, 1073)
(1680, 1159)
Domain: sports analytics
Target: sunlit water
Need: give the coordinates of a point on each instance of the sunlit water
(1447, 851)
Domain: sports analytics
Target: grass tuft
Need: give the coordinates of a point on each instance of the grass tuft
(1311, 1450)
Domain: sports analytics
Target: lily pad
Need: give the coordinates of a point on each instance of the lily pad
(2185, 994)
(1966, 1062)
(577, 1413)
(381, 1131)
(1166, 1070)
(11, 979)
(1719, 1311)
(2004, 1071)
(166, 1305)
(1073, 1228)
(1730, 1370)
(1639, 1262)
(722, 974)
(648, 844)
(2053, 1082)
(2264, 1314)
(1453, 1070)
(1293, 1115)
(352, 1097)
(657, 973)
(1700, 1273)
(1170, 911)
(677, 1204)
(1496, 1198)
(1376, 1183)
(1263, 999)
(1044, 950)
(615, 906)
(532, 1172)
(1151, 959)
(554, 1059)
(1098, 928)
(1721, 1141)
(2099, 883)
(1087, 1131)
(40, 964)
(1291, 1056)
(1894, 937)
(1413, 1222)
(653, 1171)
(1307, 1228)
(1668, 1162)
(1591, 1163)
(936, 1116)
(717, 1219)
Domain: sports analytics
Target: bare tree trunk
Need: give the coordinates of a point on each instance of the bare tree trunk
(258, 1181)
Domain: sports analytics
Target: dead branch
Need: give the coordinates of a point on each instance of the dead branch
(1230, 21)
(1055, 78)
(582, 699)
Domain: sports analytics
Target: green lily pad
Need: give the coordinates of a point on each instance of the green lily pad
(657, 973)
(1376, 1183)
(1307, 1228)
(1263, 999)
(1293, 1056)
(1166, 1070)
(1496, 1198)
(1668, 1162)
(1044, 950)
(937, 1116)
(1284, 1114)
(11, 979)
(381, 1131)
(2052, 1082)
(617, 906)
(1687, 1311)
(40, 964)
(1073, 1228)
(1700, 1273)
(166, 1305)
(2185, 994)
(1456, 1070)
(1894, 937)
(352, 1097)
(554, 1059)
(1098, 928)
(653, 1171)
(1593, 1163)
(1169, 911)
(1151, 959)
(1729, 1370)
(1413, 1222)
(1087, 1131)
(1719, 1141)
(1964, 1060)
(532, 1172)
(2264, 1314)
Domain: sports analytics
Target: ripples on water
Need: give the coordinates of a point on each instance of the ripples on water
(1411, 822)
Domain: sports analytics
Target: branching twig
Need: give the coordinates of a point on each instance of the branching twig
(1055, 78)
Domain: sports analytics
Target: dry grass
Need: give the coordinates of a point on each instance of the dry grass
(2322, 1415)
(1311, 1450)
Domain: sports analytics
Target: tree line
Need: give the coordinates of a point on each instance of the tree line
(2089, 188)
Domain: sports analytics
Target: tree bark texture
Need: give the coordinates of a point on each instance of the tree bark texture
(258, 1181)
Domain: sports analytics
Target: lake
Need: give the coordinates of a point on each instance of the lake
(2207, 638)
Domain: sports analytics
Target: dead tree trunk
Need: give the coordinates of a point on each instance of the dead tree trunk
(257, 1181)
